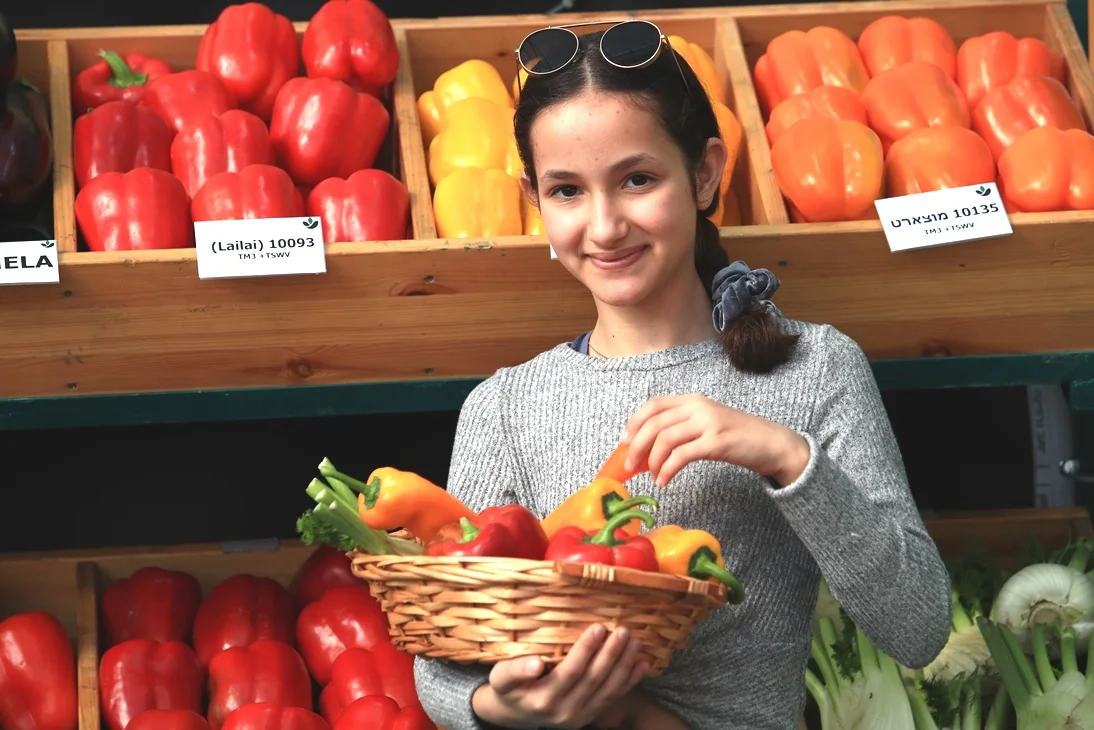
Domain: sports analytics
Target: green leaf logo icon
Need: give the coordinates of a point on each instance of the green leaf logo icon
(310, 223)
(983, 191)
(47, 244)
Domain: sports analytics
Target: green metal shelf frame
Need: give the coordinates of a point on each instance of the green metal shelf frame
(80, 411)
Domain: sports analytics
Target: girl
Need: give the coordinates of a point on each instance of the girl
(766, 432)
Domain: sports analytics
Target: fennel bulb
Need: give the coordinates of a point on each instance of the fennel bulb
(1046, 594)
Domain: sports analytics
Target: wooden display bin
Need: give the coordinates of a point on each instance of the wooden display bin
(68, 584)
(431, 309)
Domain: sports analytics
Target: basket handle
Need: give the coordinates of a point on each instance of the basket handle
(596, 575)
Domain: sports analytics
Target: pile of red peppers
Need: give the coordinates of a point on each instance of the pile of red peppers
(242, 134)
(247, 655)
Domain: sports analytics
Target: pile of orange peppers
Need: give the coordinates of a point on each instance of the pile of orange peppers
(906, 110)
(474, 167)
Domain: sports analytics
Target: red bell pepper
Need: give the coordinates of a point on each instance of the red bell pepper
(351, 41)
(381, 713)
(142, 674)
(168, 720)
(241, 610)
(324, 569)
(253, 51)
(115, 79)
(606, 546)
(225, 143)
(152, 604)
(1009, 111)
(257, 191)
(184, 98)
(132, 211)
(344, 618)
(265, 671)
(370, 206)
(37, 674)
(322, 128)
(119, 137)
(357, 673)
(509, 531)
(268, 716)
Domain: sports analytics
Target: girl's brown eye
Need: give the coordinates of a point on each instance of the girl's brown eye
(639, 179)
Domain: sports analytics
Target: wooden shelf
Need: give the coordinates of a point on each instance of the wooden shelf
(1075, 369)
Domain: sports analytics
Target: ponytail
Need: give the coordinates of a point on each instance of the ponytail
(750, 334)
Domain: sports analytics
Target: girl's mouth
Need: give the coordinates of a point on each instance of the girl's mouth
(617, 260)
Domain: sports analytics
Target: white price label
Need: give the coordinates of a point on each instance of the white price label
(29, 262)
(554, 256)
(259, 247)
(942, 217)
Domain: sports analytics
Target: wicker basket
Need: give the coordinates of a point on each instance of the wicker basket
(483, 610)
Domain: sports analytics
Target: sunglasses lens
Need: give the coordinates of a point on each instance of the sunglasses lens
(547, 50)
(631, 44)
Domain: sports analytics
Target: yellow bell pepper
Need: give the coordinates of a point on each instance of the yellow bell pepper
(476, 203)
(471, 79)
(429, 116)
(703, 66)
(477, 133)
(533, 223)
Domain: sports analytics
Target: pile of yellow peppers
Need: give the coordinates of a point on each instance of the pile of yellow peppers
(474, 166)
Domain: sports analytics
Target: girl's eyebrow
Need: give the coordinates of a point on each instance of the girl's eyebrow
(626, 162)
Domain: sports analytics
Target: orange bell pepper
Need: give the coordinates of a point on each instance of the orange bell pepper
(476, 203)
(937, 158)
(827, 102)
(529, 214)
(913, 96)
(894, 40)
(799, 61)
(477, 133)
(829, 170)
(995, 59)
(703, 66)
(728, 214)
(1048, 170)
(732, 135)
(1007, 112)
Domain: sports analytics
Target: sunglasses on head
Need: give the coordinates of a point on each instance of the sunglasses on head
(627, 44)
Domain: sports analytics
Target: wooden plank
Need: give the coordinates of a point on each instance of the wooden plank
(64, 180)
(87, 645)
(412, 153)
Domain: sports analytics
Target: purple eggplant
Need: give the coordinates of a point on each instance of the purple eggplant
(26, 146)
(8, 60)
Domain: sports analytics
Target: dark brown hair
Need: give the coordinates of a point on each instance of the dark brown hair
(754, 341)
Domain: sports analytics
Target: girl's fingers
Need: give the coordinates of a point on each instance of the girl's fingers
(574, 666)
(639, 448)
(680, 457)
(623, 677)
(599, 669)
(650, 408)
(507, 676)
(669, 440)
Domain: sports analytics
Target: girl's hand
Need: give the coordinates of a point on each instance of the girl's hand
(600, 669)
(673, 431)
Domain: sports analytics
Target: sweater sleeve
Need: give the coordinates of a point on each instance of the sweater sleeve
(854, 511)
(483, 472)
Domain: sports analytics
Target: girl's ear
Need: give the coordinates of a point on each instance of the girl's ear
(709, 174)
(526, 188)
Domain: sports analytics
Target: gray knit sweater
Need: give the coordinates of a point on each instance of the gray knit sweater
(537, 432)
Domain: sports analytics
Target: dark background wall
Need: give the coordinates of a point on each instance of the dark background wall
(964, 449)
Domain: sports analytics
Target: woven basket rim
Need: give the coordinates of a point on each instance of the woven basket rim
(716, 593)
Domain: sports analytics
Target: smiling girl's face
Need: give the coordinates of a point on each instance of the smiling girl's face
(617, 199)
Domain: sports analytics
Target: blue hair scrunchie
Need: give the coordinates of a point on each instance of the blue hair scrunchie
(736, 288)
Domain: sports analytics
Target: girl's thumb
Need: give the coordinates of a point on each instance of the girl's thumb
(509, 675)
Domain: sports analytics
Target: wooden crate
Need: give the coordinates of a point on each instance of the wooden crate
(68, 583)
(434, 309)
